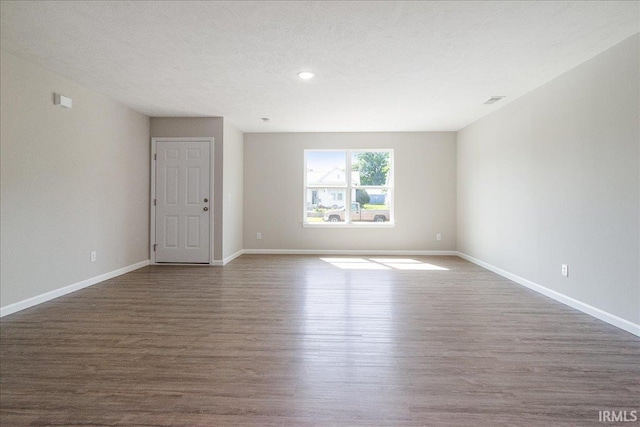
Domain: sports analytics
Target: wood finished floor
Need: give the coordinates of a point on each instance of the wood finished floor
(299, 341)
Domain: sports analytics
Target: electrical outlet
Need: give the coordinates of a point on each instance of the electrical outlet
(438, 236)
(94, 256)
(565, 270)
(258, 236)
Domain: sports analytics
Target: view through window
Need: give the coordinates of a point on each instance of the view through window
(359, 179)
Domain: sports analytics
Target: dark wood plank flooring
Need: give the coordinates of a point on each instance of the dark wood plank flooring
(298, 341)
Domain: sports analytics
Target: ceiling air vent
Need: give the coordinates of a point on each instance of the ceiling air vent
(493, 99)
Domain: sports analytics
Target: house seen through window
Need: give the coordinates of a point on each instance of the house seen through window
(359, 179)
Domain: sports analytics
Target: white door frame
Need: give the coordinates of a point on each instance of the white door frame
(152, 229)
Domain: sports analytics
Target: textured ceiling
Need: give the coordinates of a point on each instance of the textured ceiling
(380, 66)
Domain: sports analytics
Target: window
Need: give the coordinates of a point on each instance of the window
(360, 179)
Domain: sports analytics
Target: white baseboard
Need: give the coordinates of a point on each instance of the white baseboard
(353, 252)
(48, 296)
(612, 319)
(228, 259)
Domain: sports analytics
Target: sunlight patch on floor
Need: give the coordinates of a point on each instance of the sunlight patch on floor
(382, 264)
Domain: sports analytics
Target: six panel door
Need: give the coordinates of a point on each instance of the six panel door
(183, 202)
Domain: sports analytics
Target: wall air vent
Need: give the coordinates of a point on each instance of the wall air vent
(493, 99)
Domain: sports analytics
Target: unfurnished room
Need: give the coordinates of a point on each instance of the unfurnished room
(319, 213)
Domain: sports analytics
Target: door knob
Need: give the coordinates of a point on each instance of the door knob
(205, 209)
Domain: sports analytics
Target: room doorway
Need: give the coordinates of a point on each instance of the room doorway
(181, 200)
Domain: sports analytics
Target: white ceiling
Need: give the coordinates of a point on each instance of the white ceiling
(380, 66)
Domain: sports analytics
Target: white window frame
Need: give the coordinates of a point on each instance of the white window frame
(348, 189)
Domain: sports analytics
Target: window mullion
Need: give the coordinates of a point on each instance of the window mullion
(347, 207)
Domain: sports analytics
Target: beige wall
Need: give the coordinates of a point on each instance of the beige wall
(72, 181)
(425, 192)
(232, 190)
(200, 127)
(552, 179)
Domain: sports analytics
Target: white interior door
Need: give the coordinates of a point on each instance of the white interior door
(182, 207)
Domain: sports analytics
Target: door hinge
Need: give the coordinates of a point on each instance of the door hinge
(154, 247)
(154, 202)
(155, 156)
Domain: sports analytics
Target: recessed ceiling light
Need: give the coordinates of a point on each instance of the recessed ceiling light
(306, 75)
(493, 99)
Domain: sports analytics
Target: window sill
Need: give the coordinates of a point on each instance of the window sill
(338, 225)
